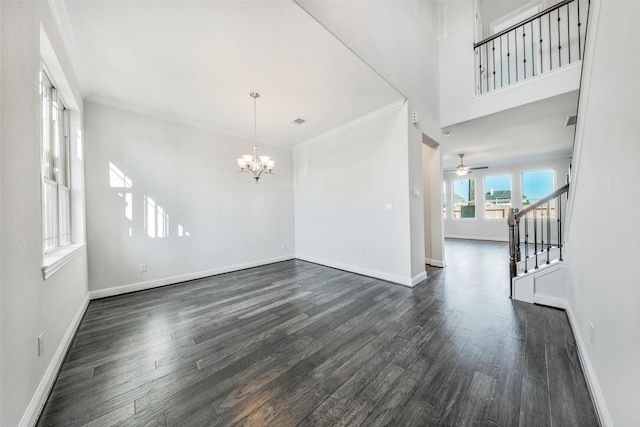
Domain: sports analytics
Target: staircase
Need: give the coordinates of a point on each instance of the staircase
(538, 273)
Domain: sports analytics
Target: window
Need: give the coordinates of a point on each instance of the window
(497, 197)
(535, 186)
(56, 218)
(464, 198)
(444, 199)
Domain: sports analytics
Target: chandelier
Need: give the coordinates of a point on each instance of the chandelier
(255, 163)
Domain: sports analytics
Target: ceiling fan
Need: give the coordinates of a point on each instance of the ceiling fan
(463, 169)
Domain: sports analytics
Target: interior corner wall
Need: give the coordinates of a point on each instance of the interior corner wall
(352, 198)
(397, 39)
(602, 235)
(185, 211)
(416, 200)
(496, 229)
(434, 225)
(29, 304)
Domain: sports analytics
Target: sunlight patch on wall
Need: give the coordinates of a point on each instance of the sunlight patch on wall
(117, 178)
(156, 219)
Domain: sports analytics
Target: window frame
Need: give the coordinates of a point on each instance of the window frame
(553, 186)
(470, 202)
(55, 170)
(445, 202)
(485, 191)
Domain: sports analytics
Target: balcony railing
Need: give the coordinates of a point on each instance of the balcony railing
(544, 42)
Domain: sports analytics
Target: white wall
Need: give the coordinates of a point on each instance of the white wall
(603, 235)
(192, 174)
(496, 229)
(399, 40)
(458, 101)
(416, 192)
(29, 305)
(1, 208)
(343, 182)
(434, 225)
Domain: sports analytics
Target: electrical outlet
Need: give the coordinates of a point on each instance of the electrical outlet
(40, 344)
(143, 268)
(592, 333)
(284, 246)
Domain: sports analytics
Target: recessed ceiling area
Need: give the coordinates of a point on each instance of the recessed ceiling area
(197, 61)
(530, 132)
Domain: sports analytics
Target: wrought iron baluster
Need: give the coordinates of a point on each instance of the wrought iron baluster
(540, 47)
(493, 51)
(559, 44)
(524, 54)
(579, 35)
(515, 42)
(501, 65)
(535, 236)
(548, 230)
(568, 34)
(526, 243)
(550, 54)
(479, 54)
(533, 65)
(560, 225)
(542, 230)
(508, 59)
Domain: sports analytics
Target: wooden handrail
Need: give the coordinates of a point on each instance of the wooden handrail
(541, 202)
(513, 220)
(520, 24)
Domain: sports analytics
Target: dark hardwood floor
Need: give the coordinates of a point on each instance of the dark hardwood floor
(295, 343)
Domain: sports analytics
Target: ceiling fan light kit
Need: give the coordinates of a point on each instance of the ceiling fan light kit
(462, 169)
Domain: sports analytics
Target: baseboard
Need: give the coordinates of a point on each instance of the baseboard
(150, 284)
(550, 301)
(39, 398)
(404, 281)
(418, 278)
(436, 262)
(590, 374)
(489, 239)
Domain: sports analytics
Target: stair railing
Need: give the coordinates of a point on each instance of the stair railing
(544, 42)
(537, 216)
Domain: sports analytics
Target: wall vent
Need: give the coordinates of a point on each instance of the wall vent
(298, 121)
(570, 121)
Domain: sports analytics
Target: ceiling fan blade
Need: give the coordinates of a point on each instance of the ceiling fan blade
(480, 167)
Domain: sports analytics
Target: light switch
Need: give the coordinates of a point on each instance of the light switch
(388, 207)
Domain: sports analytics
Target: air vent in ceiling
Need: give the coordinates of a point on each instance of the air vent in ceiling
(570, 121)
(298, 121)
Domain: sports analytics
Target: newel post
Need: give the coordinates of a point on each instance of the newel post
(513, 247)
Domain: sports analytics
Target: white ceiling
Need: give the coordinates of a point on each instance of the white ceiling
(531, 132)
(197, 61)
